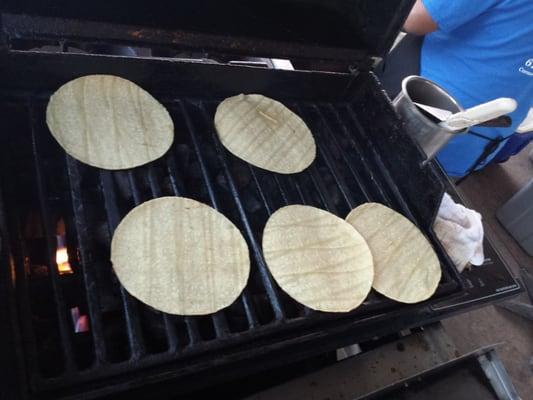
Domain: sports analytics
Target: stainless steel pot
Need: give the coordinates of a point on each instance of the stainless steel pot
(428, 133)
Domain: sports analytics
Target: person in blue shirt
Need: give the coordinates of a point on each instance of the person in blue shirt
(478, 50)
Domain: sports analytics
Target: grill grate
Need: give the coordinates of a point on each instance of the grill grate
(42, 182)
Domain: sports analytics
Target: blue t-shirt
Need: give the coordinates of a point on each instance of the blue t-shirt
(482, 50)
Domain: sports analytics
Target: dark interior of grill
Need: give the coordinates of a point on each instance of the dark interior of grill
(362, 155)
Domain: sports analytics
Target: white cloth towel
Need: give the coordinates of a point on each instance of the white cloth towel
(460, 231)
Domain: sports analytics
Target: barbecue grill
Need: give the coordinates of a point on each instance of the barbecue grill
(70, 330)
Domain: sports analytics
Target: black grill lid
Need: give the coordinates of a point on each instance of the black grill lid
(315, 29)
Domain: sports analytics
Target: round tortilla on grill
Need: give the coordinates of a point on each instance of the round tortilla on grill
(406, 268)
(265, 133)
(180, 256)
(317, 258)
(109, 122)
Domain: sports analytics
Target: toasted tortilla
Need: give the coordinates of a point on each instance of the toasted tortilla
(180, 256)
(109, 122)
(406, 268)
(265, 133)
(317, 258)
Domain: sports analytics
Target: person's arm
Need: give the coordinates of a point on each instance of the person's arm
(445, 15)
(419, 22)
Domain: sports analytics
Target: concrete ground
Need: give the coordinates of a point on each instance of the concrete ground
(487, 191)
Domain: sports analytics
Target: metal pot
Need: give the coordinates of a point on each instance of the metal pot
(428, 133)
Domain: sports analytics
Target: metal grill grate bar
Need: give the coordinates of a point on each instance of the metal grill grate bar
(380, 166)
(136, 341)
(256, 248)
(327, 158)
(170, 328)
(358, 149)
(304, 199)
(334, 140)
(321, 189)
(89, 279)
(264, 198)
(177, 186)
(23, 301)
(286, 182)
(247, 303)
(59, 300)
(219, 319)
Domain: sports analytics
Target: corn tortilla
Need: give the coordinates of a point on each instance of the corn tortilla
(317, 258)
(265, 133)
(180, 256)
(406, 266)
(109, 122)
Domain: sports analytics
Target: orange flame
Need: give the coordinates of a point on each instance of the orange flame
(63, 266)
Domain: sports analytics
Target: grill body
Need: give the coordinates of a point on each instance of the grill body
(363, 155)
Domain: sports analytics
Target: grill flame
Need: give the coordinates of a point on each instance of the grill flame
(63, 266)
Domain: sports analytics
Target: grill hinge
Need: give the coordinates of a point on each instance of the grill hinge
(364, 65)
